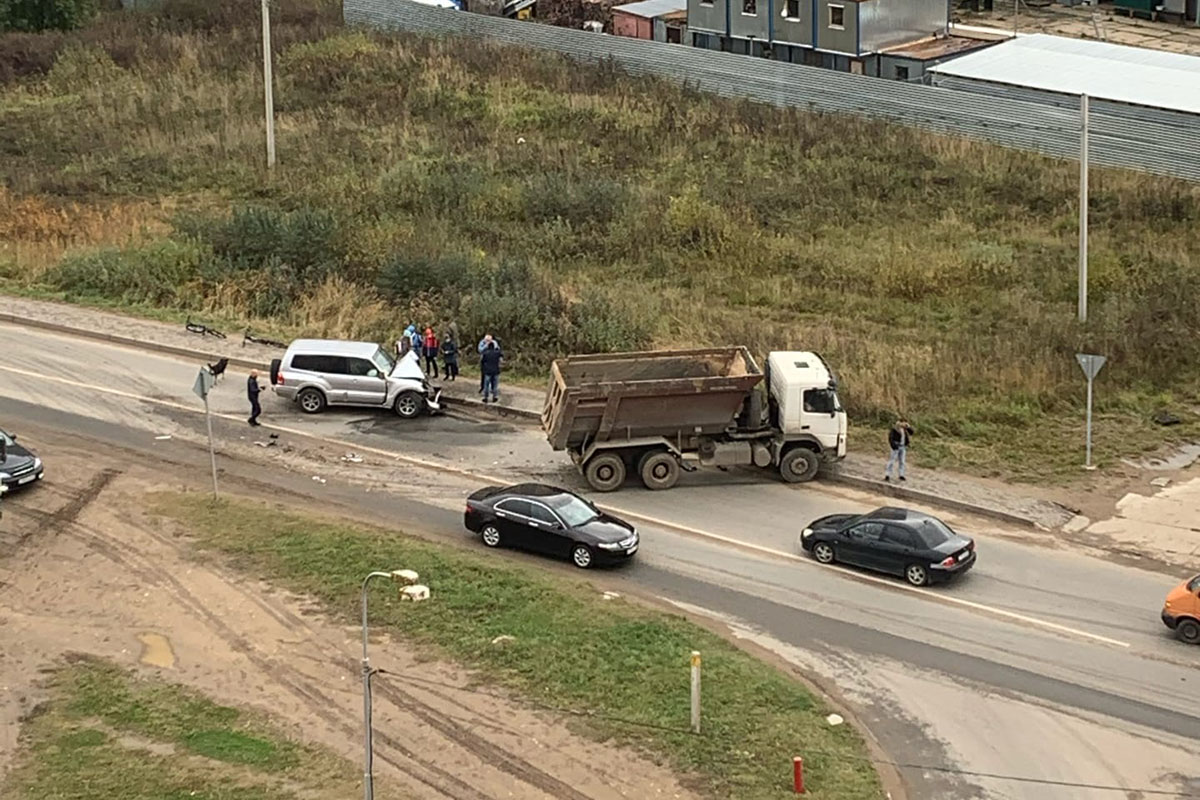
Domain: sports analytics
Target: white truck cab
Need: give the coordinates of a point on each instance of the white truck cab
(804, 403)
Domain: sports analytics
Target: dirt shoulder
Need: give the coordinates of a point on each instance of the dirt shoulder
(84, 571)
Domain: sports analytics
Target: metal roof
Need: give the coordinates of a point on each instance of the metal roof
(652, 8)
(1078, 66)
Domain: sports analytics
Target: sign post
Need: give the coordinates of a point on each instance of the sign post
(204, 383)
(1091, 366)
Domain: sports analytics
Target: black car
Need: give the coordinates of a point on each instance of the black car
(918, 546)
(545, 519)
(18, 466)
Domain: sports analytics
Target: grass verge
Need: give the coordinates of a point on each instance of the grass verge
(107, 735)
(572, 649)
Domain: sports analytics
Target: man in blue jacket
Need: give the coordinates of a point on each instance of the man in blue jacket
(490, 359)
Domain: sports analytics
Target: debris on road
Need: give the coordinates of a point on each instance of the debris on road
(611, 595)
(353, 458)
(1162, 482)
(319, 479)
(163, 438)
(265, 444)
(1166, 418)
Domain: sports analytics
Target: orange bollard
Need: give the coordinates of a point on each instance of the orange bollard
(798, 774)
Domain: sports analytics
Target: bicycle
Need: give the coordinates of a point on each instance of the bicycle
(202, 329)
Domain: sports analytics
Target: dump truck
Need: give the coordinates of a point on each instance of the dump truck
(657, 414)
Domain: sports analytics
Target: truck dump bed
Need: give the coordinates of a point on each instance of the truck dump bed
(661, 393)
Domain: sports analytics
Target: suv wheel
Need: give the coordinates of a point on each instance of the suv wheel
(311, 401)
(409, 404)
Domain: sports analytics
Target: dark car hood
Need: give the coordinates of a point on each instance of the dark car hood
(831, 521)
(607, 529)
(17, 456)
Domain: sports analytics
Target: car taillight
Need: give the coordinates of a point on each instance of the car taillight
(469, 510)
(949, 562)
(279, 379)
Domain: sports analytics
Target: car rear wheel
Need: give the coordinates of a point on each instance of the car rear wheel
(799, 465)
(916, 574)
(409, 405)
(490, 535)
(581, 556)
(311, 401)
(1188, 630)
(659, 470)
(605, 472)
(823, 552)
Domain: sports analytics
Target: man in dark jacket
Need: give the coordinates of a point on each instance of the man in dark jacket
(489, 364)
(450, 356)
(252, 390)
(898, 438)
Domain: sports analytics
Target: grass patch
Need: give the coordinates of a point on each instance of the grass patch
(570, 207)
(107, 735)
(572, 650)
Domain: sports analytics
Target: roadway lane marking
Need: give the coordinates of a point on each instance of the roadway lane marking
(634, 515)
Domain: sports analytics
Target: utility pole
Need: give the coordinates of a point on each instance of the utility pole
(1083, 209)
(268, 97)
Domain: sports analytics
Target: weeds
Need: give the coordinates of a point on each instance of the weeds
(572, 207)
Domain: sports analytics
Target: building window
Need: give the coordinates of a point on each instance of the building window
(750, 7)
(901, 73)
(837, 17)
(791, 9)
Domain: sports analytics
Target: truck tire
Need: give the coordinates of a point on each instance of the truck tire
(605, 472)
(659, 470)
(409, 405)
(799, 465)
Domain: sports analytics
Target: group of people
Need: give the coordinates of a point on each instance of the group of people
(427, 347)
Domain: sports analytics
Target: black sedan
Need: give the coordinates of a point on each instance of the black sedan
(545, 519)
(18, 466)
(918, 546)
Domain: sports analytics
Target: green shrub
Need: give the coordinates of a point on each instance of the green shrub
(156, 274)
(43, 15)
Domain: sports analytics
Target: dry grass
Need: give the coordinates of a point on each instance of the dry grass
(937, 274)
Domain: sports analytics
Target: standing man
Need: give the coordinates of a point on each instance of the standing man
(489, 365)
(898, 438)
(432, 346)
(450, 356)
(252, 391)
(483, 345)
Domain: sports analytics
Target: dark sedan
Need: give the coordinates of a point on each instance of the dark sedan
(545, 519)
(18, 466)
(917, 546)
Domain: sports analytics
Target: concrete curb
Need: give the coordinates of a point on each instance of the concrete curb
(905, 493)
(218, 352)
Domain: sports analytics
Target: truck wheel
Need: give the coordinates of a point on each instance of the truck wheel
(311, 401)
(799, 465)
(605, 472)
(659, 470)
(409, 405)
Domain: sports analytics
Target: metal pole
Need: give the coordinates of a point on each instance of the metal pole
(1083, 209)
(695, 691)
(368, 773)
(212, 453)
(268, 98)
(1088, 460)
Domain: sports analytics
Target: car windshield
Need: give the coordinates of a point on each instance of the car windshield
(383, 361)
(574, 510)
(1193, 584)
(933, 532)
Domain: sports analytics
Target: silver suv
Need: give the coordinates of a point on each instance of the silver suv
(316, 373)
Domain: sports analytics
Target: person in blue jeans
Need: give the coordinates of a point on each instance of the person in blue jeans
(490, 360)
(898, 438)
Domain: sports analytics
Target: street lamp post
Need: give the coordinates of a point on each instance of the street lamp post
(268, 98)
(402, 577)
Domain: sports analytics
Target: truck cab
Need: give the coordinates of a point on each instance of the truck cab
(803, 403)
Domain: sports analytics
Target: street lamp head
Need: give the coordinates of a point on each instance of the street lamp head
(405, 577)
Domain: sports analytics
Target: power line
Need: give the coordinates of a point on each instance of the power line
(1062, 784)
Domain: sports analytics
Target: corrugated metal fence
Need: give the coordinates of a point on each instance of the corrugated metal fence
(1151, 142)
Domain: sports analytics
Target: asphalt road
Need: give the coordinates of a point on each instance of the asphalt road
(1042, 665)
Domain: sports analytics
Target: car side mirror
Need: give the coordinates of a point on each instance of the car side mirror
(373, 373)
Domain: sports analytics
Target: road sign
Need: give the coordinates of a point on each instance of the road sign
(204, 382)
(1091, 364)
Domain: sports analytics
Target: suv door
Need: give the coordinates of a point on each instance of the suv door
(856, 545)
(896, 549)
(547, 533)
(512, 517)
(365, 385)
